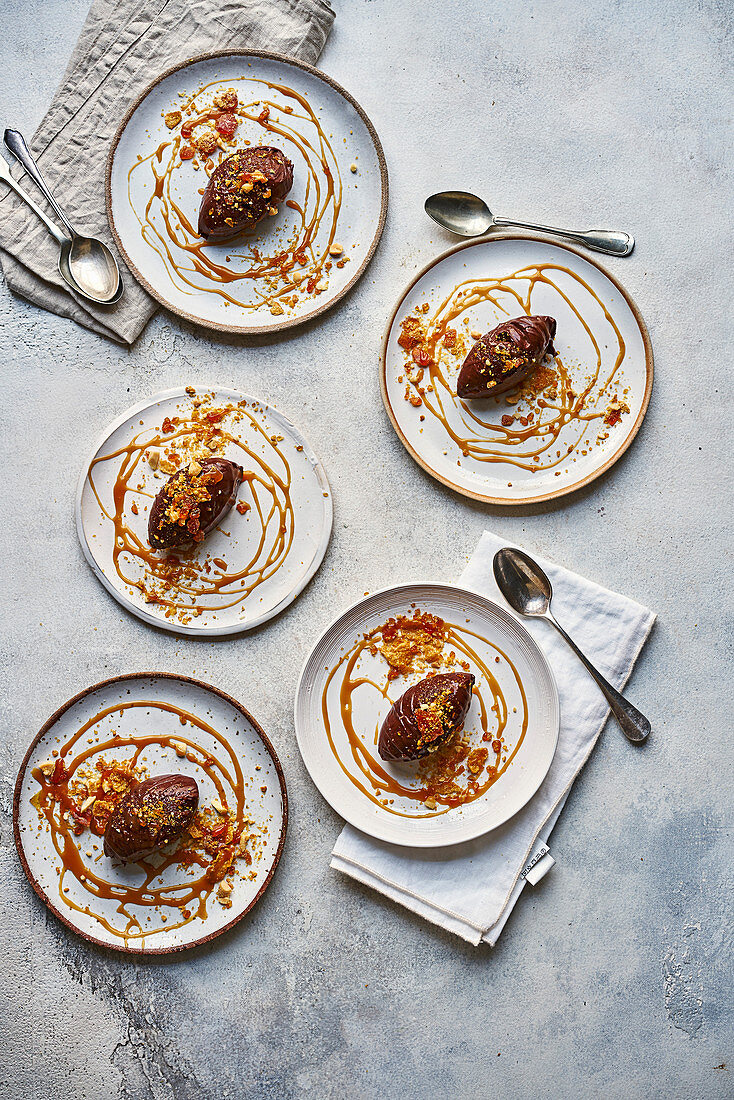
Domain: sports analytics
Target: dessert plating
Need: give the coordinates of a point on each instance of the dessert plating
(465, 763)
(161, 553)
(246, 183)
(168, 856)
(549, 412)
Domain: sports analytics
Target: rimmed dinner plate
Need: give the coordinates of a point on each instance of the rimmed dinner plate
(283, 533)
(599, 326)
(138, 705)
(524, 681)
(324, 127)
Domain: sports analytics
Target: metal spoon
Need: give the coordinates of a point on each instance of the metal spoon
(469, 216)
(85, 263)
(528, 591)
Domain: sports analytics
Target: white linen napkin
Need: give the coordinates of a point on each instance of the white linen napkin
(471, 889)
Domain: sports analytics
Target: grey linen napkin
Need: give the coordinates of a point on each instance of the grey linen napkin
(123, 46)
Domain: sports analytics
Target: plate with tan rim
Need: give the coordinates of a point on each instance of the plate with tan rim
(263, 552)
(571, 420)
(94, 749)
(294, 264)
(365, 661)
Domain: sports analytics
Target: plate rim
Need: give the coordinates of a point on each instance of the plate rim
(166, 624)
(240, 330)
(50, 722)
(514, 502)
(494, 607)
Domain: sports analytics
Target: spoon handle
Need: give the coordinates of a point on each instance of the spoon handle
(53, 229)
(601, 240)
(15, 142)
(635, 726)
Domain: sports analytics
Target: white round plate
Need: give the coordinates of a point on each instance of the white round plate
(499, 257)
(499, 633)
(347, 138)
(264, 793)
(237, 539)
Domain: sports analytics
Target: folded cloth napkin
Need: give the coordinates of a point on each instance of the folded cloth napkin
(124, 45)
(471, 889)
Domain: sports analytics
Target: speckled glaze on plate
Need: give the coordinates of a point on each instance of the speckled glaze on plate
(498, 631)
(265, 793)
(237, 537)
(497, 257)
(353, 139)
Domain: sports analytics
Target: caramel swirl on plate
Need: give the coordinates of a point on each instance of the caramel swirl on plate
(79, 792)
(559, 410)
(295, 253)
(454, 774)
(189, 581)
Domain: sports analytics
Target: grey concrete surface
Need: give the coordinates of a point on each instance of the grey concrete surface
(612, 978)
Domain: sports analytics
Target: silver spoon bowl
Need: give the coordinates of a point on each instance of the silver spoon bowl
(89, 265)
(528, 591)
(469, 216)
(85, 263)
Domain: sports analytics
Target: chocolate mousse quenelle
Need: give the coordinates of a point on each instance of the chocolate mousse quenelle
(150, 816)
(243, 190)
(426, 716)
(193, 501)
(506, 356)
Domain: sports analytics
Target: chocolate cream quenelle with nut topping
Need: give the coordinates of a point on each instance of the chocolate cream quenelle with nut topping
(503, 358)
(426, 716)
(244, 189)
(193, 501)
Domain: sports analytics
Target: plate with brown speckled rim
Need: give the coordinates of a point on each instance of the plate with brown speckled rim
(293, 265)
(573, 417)
(259, 557)
(491, 767)
(87, 756)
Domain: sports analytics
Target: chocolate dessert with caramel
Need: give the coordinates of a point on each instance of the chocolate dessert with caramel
(193, 501)
(503, 358)
(150, 816)
(426, 716)
(243, 190)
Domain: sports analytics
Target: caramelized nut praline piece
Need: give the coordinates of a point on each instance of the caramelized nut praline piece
(193, 501)
(150, 816)
(426, 716)
(244, 189)
(503, 358)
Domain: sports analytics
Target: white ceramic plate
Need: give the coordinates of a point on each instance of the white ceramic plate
(497, 258)
(264, 795)
(307, 511)
(500, 636)
(348, 139)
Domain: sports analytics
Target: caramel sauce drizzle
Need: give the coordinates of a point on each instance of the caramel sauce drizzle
(186, 899)
(443, 776)
(535, 445)
(181, 580)
(167, 228)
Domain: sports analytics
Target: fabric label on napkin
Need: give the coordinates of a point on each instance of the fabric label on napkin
(538, 865)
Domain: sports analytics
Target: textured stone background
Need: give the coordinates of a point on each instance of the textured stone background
(610, 979)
